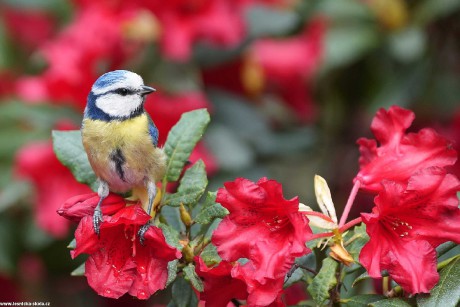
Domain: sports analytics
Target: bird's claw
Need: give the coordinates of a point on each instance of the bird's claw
(142, 232)
(97, 220)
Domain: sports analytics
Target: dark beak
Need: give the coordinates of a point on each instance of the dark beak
(146, 90)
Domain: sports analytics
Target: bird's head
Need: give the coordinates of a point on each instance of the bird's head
(118, 94)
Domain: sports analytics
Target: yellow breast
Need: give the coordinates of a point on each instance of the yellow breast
(141, 159)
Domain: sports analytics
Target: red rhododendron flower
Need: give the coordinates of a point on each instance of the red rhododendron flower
(408, 222)
(264, 228)
(399, 154)
(77, 207)
(53, 182)
(288, 66)
(74, 56)
(19, 23)
(118, 263)
(219, 285)
(218, 22)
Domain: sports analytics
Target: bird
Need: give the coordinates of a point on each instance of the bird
(121, 140)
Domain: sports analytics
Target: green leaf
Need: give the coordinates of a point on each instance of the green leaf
(391, 302)
(447, 291)
(183, 294)
(171, 235)
(429, 10)
(79, 271)
(72, 244)
(265, 21)
(355, 240)
(345, 44)
(296, 276)
(210, 210)
(69, 150)
(172, 271)
(362, 300)
(182, 139)
(210, 255)
(191, 276)
(12, 193)
(324, 281)
(192, 186)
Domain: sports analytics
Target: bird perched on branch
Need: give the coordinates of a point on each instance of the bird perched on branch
(121, 140)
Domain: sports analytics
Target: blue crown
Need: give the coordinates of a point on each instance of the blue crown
(110, 78)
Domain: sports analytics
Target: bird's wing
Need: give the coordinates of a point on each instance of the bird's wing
(153, 131)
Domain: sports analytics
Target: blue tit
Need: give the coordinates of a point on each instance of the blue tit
(121, 140)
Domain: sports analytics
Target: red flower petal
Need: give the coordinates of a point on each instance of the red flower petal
(399, 155)
(264, 228)
(219, 285)
(406, 225)
(76, 207)
(118, 263)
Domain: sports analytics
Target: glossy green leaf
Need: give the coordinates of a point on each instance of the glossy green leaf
(192, 186)
(191, 276)
(183, 294)
(391, 302)
(210, 210)
(362, 300)
(69, 150)
(447, 291)
(324, 281)
(182, 139)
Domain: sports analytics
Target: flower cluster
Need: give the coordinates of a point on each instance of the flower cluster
(416, 207)
(117, 262)
(263, 228)
(262, 234)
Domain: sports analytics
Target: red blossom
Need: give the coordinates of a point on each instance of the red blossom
(117, 262)
(219, 285)
(53, 182)
(408, 222)
(264, 228)
(74, 56)
(77, 207)
(289, 65)
(19, 23)
(400, 154)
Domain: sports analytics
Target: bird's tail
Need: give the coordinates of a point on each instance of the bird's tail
(140, 193)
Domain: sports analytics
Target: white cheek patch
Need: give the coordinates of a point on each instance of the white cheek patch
(117, 105)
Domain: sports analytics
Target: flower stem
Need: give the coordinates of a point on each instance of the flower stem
(349, 204)
(318, 214)
(351, 224)
(321, 235)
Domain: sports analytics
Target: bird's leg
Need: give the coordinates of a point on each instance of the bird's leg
(151, 192)
(102, 191)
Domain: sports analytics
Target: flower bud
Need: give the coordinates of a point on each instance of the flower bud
(187, 253)
(185, 216)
